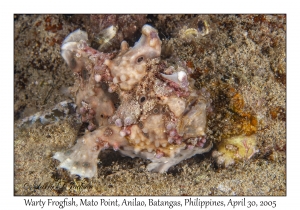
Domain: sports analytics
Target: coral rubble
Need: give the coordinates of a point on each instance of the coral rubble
(235, 149)
(134, 103)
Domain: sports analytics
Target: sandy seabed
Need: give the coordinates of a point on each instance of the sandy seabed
(244, 54)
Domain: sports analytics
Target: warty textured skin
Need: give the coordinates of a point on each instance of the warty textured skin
(133, 103)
